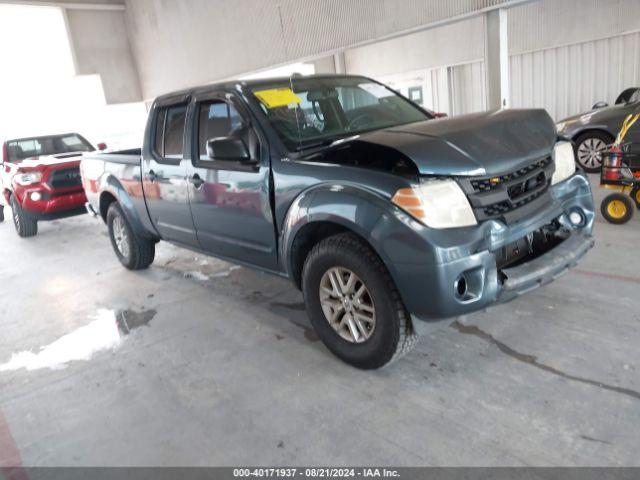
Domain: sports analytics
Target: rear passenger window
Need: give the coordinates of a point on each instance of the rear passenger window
(217, 119)
(169, 132)
(174, 131)
(158, 143)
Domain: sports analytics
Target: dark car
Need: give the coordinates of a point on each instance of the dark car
(593, 131)
(388, 220)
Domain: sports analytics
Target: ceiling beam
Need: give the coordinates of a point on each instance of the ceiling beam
(67, 5)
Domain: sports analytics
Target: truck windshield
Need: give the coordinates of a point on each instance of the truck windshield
(316, 111)
(18, 150)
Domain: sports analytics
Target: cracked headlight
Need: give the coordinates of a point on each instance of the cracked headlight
(438, 203)
(564, 160)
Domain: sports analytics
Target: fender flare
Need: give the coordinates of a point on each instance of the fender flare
(111, 185)
(586, 128)
(364, 212)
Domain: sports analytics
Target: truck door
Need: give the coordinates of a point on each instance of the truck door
(230, 197)
(164, 176)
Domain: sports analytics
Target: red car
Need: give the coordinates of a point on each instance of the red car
(40, 179)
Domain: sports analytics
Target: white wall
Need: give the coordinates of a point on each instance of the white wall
(189, 42)
(101, 46)
(457, 43)
(565, 55)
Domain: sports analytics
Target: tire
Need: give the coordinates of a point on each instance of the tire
(585, 145)
(389, 337)
(133, 252)
(26, 226)
(1, 214)
(617, 208)
(635, 196)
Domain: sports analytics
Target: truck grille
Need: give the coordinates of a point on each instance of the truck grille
(65, 178)
(505, 197)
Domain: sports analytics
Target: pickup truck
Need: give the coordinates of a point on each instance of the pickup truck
(388, 220)
(40, 179)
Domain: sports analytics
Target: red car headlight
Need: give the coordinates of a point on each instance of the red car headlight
(30, 178)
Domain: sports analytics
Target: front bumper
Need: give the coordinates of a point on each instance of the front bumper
(53, 205)
(430, 290)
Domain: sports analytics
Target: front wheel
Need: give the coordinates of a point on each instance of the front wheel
(353, 304)
(589, 149)
(26, 226)
(617, 208)
(133, 252)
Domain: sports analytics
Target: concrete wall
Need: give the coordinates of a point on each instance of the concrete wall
(100, 45)
(178, 44)
(460, 42)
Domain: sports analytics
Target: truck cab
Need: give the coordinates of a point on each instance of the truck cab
(40, 179)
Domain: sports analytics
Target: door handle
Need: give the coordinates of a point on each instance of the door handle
(152, 176)
(197, 181)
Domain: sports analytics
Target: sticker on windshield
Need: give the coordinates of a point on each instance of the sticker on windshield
(376, 90)
(277, 97)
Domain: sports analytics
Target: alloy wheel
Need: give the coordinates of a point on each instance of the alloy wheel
(120, 237)
(590, 153)
(347, 305)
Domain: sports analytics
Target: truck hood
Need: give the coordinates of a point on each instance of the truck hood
(479, 144)
(51, 160)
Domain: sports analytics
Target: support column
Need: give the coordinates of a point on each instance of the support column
(338, 60)
(496, 59)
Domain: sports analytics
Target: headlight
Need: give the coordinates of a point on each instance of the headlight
(565, 162)
(28, 178)
(438, 203)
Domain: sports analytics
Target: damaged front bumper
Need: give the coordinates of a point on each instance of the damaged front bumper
(473, 274)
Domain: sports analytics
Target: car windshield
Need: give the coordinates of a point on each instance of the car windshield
(18, 150)
(316, 111)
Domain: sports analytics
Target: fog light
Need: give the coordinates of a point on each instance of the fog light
(36, 196)
(460, 286)
(576, 218)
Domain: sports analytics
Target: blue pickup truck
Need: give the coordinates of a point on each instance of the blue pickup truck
(388, 220)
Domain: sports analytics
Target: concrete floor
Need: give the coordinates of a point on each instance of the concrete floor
(227, 371)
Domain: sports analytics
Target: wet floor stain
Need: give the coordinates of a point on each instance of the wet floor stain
(128, 320)
(533, 361)
(593, 439)
(309, 333)
(104, 332)
(299, 307)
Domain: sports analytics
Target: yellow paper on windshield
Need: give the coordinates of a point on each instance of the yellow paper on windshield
(277, 97)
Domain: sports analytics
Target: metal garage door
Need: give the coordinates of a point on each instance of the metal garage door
(569, 79)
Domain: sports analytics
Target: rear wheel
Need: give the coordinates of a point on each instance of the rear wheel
(635, 196)
(589, 149)
(353, 304)
(25, 224)
(617, 208)
(133, 252)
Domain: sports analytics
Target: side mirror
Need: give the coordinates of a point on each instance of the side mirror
(600, 104)
(102, 146)
(228, 148)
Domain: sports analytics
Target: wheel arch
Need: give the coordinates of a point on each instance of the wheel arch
(327, 210)
(112, 191)
(592, 129)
